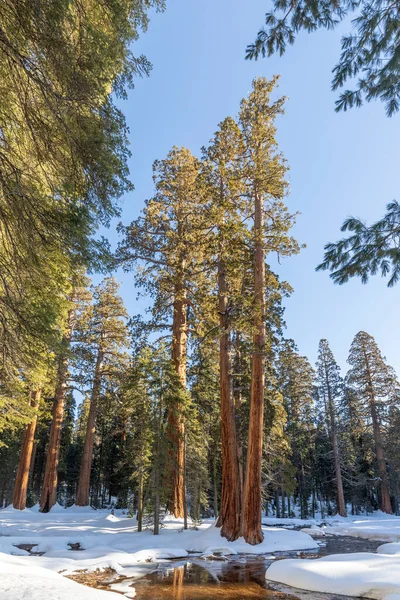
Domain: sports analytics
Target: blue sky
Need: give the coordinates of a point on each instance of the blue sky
(340, 164)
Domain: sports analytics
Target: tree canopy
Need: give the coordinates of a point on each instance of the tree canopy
(370, 56)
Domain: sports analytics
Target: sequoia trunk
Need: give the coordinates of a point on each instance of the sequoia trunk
(82, 496)
(230, 511)
(49, 490)
(21, 480)
(251, 514)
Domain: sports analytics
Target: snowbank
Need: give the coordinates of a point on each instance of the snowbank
(21, 581)
(275, 540)
(363, 574)
(380, 527)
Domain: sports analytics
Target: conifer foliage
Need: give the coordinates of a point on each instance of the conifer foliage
(376, 385)
(369, 52)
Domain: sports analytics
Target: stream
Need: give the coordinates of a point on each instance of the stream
(240, 577)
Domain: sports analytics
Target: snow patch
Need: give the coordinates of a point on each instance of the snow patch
(368, 575)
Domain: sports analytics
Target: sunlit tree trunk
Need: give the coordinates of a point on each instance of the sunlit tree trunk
(157, 482)
(140, 501)
(49, 490)
(251, 515)
(215, 482)
(21, 480)
(82, 496)
(176, 425)
(230, 511)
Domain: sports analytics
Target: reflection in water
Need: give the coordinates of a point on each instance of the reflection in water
(240, 581)
(179, 573)
(239, 578)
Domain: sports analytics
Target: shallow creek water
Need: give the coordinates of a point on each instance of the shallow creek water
(241, 577)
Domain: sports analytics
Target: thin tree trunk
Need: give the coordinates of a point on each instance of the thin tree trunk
(21, 480)
(176, 425)
(49, 490)
(140, 503)
(341, 506)
(82, 496)
(251, 516)
(215, 487)
(277, 504)
(338, 475)
(313, 503)
(157, 500)
(230, 513)
(156, 529)
(185, 507)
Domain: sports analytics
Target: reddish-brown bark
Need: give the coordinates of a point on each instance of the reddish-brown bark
(82, 495)
(251, 511)
(176, 424)
(230, 511)
(21, 480)
(49, 489)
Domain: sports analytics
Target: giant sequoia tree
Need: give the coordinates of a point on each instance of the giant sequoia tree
(264, 170)
(227, 253)
(164, 245)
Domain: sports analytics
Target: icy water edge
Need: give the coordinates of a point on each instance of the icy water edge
(240, 577)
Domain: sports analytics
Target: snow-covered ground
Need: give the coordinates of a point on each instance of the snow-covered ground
(378, 526)
(362, 574)
(105, 541)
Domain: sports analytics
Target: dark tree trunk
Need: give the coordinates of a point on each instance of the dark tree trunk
(216, 510)
(277, 505)
(157, 499)
(140, 503)
(21, 480)
(230, 511)
(82, 495)
(251, 516)
(49, 490)
(176, 425)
